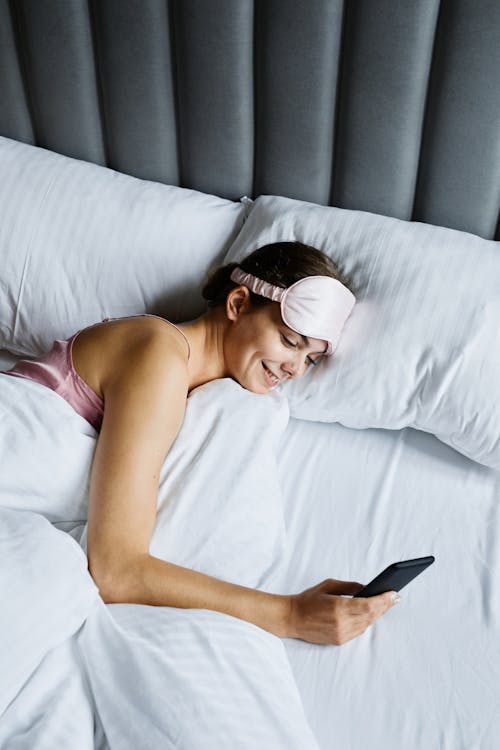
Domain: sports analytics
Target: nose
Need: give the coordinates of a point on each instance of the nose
(295, 366)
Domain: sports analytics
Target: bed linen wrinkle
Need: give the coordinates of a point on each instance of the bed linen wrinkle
(420, 497)
(55, 710)
(146, 681)
(435, 501)
(490, 559)
(444, 630)
(35, 225)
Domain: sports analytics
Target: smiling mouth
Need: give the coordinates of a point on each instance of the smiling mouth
(272, 377)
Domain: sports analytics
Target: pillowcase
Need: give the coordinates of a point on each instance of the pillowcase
(80, 242)
(422, 346)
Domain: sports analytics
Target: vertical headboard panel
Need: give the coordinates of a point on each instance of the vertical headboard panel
(58, 64)
(137, 88)
(15, 117)
(214, 72)
(297, 59)
(386, 62)
(459, 179)
(375, 105)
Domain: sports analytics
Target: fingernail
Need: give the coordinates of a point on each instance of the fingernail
(395, 597)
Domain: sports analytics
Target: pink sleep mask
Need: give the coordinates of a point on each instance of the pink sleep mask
(315, 306)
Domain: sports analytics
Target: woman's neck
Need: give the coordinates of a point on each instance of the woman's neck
(206, 336)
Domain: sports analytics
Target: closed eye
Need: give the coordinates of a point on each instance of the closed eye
(288, 342)
(314, 361)
(294, 346)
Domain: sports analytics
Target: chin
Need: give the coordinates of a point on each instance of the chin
(253, 387)
(256, 384)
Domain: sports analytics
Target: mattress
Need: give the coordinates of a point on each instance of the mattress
(426, 674)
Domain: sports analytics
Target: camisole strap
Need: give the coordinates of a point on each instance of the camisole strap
(56, 371)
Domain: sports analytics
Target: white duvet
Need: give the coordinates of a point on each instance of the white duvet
(77, 673)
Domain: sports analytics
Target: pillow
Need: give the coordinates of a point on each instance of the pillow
(80, 242)
(422, 346)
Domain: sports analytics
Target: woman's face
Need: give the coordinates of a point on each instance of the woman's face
(261, 351)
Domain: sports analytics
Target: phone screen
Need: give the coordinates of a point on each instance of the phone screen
(396, 576)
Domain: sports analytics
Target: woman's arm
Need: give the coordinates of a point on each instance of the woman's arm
(144, 405)
(321, 614)
(148, 580)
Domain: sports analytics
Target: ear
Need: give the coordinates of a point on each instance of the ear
(238, 302)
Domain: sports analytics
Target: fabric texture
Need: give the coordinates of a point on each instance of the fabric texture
(56, 371)
(80, 242)
(356, 501)
(422, 345)
(139, 660)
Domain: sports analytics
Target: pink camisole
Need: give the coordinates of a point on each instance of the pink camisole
(56, 371)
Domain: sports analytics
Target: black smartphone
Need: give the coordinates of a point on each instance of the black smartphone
(396, 576)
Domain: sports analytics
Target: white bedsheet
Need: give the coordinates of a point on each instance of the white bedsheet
(427, 675)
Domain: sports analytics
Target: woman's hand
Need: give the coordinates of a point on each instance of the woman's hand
(321, 615)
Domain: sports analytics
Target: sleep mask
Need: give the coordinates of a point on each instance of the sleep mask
(315, 306)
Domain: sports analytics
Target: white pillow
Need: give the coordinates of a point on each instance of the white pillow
(422, 346)
(80, 242)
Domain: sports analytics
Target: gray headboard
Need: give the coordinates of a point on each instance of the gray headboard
(390, 106)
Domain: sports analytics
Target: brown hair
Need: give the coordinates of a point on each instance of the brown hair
(280, 263)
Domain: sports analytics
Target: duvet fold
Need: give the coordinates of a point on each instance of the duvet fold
(79, 673)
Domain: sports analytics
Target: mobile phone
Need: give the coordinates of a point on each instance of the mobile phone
(395, 576)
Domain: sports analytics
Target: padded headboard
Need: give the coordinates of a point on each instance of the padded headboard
(380, 105)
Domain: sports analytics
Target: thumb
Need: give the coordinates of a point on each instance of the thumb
(332, 586)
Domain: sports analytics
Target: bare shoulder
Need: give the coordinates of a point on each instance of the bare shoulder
(115, 349)
(145, 399)
(145, 393)
(145, 388)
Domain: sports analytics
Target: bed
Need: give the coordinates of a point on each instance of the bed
(140, 136)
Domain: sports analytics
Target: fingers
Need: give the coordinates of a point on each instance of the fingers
(364, 612)
(375, 606)
(322, 615)
(390, 598)
(332, 586)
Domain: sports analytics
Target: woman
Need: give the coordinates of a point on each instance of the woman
(130, 377)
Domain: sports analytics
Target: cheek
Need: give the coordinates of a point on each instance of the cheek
(240, 355)
(274, 349)
(249, 345)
